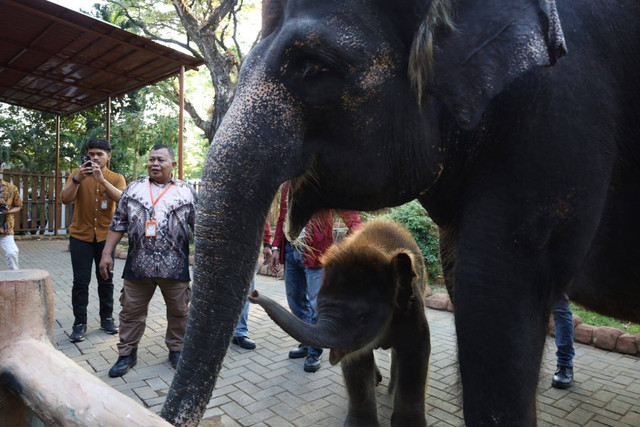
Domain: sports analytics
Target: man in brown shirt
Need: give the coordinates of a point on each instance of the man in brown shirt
(10, 204)
(95, 190)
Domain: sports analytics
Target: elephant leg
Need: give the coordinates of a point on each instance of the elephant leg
(359, 378)
(409, 371)
(507, 321)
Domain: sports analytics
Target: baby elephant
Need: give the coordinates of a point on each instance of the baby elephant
(371, 297)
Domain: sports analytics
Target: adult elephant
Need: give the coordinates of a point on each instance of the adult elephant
(531, 171)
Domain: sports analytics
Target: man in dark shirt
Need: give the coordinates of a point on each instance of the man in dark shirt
(157, 213)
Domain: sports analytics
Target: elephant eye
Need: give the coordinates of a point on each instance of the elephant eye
(317, 81)
(313, 69)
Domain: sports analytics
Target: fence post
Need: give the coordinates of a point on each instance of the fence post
(36, 377)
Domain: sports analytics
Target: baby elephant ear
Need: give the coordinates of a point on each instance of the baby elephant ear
(403, 265)
(466, 52)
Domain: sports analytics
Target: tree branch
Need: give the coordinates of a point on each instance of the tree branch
(139, 23)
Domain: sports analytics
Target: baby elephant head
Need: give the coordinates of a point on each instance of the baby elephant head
(369, 280)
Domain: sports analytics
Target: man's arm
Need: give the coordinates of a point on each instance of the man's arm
(351, 220)
(13, 210)
(113, 191)
(70, 190)
(266, 242)
(106, 261)
(279, 239)
(16, 203)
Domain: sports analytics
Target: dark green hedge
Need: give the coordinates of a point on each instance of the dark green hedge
(415, 218)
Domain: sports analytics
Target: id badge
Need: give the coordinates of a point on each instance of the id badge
(103, 204)
(151, 228)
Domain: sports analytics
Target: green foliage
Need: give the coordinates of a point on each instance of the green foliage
(595, 319)
(27, 138)
(415, 218)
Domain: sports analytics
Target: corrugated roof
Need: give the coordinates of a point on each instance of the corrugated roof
(60, 61)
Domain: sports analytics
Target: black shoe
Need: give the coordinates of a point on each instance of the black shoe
(174, 356)
(563, 378)
(312, 363)
(108, 326)
(244, 342)
(78, 333)
(123, 364)
(298, 353)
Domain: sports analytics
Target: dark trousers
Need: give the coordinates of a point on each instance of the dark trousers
(83, 255)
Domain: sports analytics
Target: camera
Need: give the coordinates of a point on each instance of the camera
(84, 160)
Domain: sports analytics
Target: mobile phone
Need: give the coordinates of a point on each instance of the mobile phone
(84, 160)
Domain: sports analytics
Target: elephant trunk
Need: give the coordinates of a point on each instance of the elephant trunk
(325, 333)
(255, 149)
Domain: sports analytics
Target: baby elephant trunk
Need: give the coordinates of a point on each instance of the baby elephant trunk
(323, 334)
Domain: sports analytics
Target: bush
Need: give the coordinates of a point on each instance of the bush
(415, 218)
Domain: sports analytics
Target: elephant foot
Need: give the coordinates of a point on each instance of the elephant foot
(361, 420)
(414, 420)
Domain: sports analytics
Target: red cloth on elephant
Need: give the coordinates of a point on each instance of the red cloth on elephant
(318, 231)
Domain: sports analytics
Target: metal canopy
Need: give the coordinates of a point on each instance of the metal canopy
(59, 61)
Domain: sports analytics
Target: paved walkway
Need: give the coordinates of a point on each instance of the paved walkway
(264, 388)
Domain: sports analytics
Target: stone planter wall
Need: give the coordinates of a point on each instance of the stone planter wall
(604, 337)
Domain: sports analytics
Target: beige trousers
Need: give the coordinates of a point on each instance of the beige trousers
(135, 297)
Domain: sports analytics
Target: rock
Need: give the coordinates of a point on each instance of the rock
(265, 270)
(605, 337)
(215, 421)
(584, 333)
(576, 320)
(627, 344)
(438, 301)
(120, 254)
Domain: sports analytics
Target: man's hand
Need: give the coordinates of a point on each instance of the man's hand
(86, 171)
(106, 265)
(97, 173)
(267, 254)
(275, 258)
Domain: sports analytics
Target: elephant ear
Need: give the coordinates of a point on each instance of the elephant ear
(272, 15)
(466, 52)
(403, 265)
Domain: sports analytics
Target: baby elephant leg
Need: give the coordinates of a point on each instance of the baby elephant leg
(411, 370)
(360, 380)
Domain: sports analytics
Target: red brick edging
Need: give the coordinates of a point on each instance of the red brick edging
(603, 337)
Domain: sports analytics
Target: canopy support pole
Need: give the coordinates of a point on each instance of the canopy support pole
(181, 123)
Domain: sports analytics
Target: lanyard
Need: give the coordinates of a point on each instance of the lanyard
(153, 202)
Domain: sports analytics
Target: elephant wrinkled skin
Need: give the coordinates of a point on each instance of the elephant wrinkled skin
(515, 123)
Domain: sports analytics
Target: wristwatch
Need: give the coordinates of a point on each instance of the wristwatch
(75, 180)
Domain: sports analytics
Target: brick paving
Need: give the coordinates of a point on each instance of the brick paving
(264, 388)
